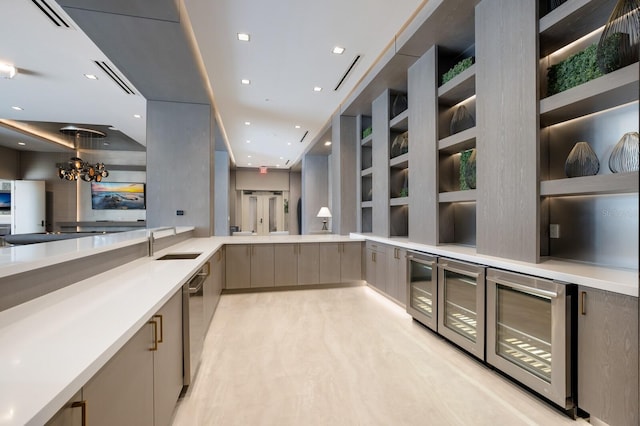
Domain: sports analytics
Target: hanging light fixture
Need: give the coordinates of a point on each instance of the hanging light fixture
(77, 169)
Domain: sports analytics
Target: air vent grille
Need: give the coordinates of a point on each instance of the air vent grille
(115, 77)
(346, 74)
(50, 13)
(304, 136)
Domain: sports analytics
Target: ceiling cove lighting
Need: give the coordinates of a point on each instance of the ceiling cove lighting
(245, 81)
(7, 71)
(244, 37)
(338, 50)
(17, 108)
(317, 89)
(91, 76)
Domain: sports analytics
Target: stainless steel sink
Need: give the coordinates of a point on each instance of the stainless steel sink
(178, 256)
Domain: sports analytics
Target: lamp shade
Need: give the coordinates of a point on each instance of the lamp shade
(324, 212)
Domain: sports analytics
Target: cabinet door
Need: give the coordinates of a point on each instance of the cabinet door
(608, 356)
(329, 262)
(238, 266)
(401, 275)
(370, 267)
(121, 393)
(381, 269)
(351, 262)
(262, 265)
(70, 414)
(167, 360)
(286, 264)
(392, 272)
(308, 264)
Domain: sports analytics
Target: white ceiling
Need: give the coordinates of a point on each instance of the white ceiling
(289, 53)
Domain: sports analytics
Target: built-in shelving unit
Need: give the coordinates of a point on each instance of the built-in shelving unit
(456, 222)
(365, 156)
(586, 219)
(398, 168)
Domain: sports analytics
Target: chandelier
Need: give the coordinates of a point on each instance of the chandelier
(77, 169)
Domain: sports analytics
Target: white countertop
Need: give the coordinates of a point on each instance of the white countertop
(623, 281)
(51, 346)
(23, 258)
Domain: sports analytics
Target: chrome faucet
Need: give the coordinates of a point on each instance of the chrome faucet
(151, 237)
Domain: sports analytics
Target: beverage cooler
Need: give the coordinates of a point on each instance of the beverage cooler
(529, 332)
(422, 288)
(461, 304)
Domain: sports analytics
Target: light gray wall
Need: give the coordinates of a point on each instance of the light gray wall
(180, 165)
(9, 163)
(295, 191)
(315, 194)
(251, 179)
(221, 192)
(344, 174)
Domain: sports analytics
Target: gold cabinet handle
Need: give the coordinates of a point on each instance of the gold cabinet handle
(161, 327)
(83, 406)
(155, 335)
(583, 303)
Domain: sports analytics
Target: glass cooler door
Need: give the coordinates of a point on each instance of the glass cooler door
(422, 289)
(461, 305)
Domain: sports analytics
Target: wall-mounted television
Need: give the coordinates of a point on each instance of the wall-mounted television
(117, 196)
(5, 202)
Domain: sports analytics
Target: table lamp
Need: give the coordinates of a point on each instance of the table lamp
(324, 213)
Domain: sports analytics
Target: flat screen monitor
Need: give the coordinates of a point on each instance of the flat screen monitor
(5, 201)
(117, 196)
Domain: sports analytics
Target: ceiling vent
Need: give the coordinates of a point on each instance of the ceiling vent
(304, 136)
(115, 77)
(51, 13)
(346, 74)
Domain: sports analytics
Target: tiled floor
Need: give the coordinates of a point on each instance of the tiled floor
(344, 356)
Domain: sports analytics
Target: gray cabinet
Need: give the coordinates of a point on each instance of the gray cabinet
(608, 356)
(70, 414)
(262, 264)
(376, 266)
(238, 266)
(167, 360)
(329, 261)
(397, 273)
(308, 263)
(286, 264)
(121, 393)
(350, 262)
(213, 285)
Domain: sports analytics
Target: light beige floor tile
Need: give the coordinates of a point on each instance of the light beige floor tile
(343, 356)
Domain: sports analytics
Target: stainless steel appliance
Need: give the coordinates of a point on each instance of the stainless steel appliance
(422, 282)
(461, 304)
(193, 322)
(529, 332)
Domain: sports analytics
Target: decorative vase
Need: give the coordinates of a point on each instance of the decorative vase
(461, 120)
(625, 155)
(400, 103)
(582, 161)
(470, 171)
(400, 145)
(620, 40)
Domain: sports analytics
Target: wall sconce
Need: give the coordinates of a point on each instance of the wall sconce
(324, 213)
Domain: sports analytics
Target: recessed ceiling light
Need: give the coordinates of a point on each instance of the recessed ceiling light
(289, 143)
(105, 143)
(137, 116)
(248, 141)
(244, 37)
(297, 127)
(317, 89)
(338, 50)
(327, 143)
(17, 108)
(282, 158)
(245, 81)
(7, 71)
(91, 76)
(248, 156)
(247, 123)
(21, 143)
(248, 164)
(277, 165)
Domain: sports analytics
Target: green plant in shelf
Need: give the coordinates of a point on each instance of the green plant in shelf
(366, 132)
(573, 71)
(457, 69)
(404, 192)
